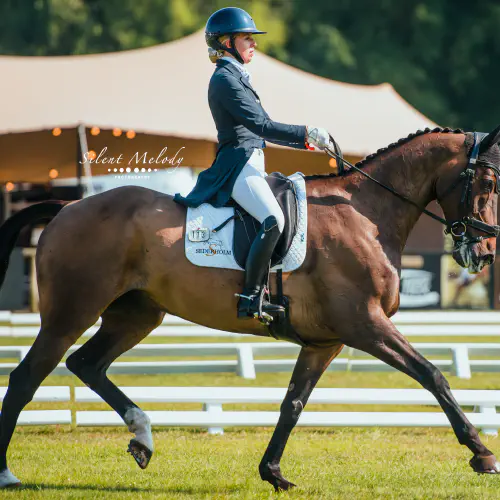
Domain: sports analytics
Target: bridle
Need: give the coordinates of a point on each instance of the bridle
(457, 228)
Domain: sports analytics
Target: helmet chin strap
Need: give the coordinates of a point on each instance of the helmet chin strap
(232, 50)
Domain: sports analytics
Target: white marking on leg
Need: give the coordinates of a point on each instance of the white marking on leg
(8, 479)
(139, 424)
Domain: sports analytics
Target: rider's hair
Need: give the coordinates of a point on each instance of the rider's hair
(217, 54)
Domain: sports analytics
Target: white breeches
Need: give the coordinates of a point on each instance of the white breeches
(252, 192)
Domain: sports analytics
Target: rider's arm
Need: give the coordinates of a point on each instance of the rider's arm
(296, 145)
(246, 111)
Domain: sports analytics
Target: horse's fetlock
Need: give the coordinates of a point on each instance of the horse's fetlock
(268, 470)
(139, 424)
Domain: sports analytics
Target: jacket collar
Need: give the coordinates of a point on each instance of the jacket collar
(235, 72)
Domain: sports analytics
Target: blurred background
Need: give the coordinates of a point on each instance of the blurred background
(79, 77)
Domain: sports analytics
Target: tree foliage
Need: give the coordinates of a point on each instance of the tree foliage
(440, 55)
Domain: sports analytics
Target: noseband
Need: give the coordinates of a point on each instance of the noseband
(458, 228)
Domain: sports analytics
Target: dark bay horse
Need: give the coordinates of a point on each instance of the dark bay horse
(120, 255)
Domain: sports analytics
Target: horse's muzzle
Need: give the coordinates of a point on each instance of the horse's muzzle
(470, 257)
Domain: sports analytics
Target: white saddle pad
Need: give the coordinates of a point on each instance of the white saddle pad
(207, 249)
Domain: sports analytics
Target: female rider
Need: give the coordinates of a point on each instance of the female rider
(238, 171)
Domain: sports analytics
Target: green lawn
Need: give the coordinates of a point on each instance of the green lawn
(345, 464)
(85, 463)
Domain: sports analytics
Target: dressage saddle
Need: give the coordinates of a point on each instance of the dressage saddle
(246, 227)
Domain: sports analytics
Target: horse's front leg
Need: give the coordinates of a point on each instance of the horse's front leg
(311, 364)
(377, 335)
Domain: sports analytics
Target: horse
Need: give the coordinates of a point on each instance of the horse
(119, 255)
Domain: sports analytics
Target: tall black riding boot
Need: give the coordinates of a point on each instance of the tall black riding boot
(256, 269)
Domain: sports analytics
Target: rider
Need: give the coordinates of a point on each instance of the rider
(238, 171)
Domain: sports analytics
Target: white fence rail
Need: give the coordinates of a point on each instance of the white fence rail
(215, 418)
(422, 323)
(45, 417)
(246, 366)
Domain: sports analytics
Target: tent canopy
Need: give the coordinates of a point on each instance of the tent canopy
(163, 90)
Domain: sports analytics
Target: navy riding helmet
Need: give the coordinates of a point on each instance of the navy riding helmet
(229, 21)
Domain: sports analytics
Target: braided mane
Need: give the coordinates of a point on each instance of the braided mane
(392, 146)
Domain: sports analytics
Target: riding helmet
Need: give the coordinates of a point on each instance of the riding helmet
(229, 21)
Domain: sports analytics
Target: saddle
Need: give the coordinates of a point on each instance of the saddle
(246, 227)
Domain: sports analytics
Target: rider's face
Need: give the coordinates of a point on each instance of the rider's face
(245, 45)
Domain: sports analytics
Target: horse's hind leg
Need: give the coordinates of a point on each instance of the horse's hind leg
(46, 352)
(124, 324)
(378, 336)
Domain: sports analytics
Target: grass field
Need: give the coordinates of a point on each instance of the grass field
(344, 464)
(60, 462)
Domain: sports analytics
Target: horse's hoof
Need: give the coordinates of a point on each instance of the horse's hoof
(142, 454)
(282, 484)
(8, 480)
(485, 465)
(272, 474)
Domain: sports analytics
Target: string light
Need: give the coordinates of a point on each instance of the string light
(9, 186)
(117, 132)
(332, 162)
(56, 132)
(130, 134)
(53, 173)
(92, 155)
(95, 130)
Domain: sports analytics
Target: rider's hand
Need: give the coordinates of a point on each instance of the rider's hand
(317, 137)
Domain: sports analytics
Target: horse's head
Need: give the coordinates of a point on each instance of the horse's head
(467, 192)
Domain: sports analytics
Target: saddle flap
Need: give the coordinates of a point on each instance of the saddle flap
(246, 227)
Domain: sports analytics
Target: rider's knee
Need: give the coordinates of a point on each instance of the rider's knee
(275, 220)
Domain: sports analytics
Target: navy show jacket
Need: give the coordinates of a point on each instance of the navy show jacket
(242, 125)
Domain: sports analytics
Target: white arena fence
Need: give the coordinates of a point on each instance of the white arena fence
(410, 323)
(247, 366)
(215, 418)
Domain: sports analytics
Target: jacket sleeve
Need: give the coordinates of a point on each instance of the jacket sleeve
(247, 112)
(295, 145)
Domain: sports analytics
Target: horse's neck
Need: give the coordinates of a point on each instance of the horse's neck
(410, 170)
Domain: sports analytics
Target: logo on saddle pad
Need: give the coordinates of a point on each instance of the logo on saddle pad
(215, 247)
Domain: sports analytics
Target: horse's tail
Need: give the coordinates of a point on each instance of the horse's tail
(10, 229)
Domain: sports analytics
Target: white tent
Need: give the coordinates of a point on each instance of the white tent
(163, 90)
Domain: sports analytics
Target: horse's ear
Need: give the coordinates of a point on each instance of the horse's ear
(489, 140)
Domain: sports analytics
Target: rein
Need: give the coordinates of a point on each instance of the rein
(458, 228)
